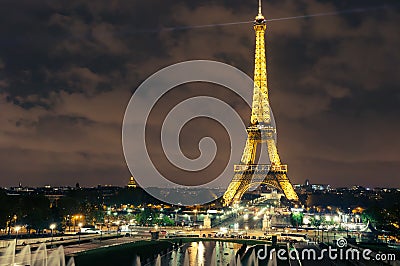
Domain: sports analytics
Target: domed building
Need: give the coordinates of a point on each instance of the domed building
(132, 183)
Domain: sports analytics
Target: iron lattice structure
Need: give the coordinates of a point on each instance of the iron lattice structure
(262, 130)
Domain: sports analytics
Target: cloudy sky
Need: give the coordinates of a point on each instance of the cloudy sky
(69, 68)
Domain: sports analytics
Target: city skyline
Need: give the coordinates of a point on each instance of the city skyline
(65, 83)
(126, 184)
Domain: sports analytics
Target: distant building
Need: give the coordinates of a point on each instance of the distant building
(320, 187)
(308, 187)
(132, 183)
(207, 222)
(273, 195)
(315, 187)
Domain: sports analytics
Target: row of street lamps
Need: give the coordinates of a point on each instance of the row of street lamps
(18, 228)
(52, 227)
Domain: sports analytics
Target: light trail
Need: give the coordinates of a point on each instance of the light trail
(323, 14)
(333, 13)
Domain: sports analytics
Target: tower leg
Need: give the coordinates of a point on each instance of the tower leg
(286, 186)
(239, 182)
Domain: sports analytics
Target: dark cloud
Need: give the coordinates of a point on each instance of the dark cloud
(67, 71)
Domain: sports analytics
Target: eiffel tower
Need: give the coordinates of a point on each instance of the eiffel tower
(262, 130)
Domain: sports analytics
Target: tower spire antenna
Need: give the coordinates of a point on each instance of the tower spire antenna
(259, 17)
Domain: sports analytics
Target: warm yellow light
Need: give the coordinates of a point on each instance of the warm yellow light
(259, 131)
(52, 226)
(17, 228)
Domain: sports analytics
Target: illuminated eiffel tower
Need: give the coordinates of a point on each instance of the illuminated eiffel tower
(261, 131)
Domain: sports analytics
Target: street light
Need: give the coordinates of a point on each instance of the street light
(76, 217)
(79, 233)
(247, 229)
(52, 227)
(17, 228)
(108, 226)
(73, 218)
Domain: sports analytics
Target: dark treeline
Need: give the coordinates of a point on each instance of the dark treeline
(32, 210)
(37, 212)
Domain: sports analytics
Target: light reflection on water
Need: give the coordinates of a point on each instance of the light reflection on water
(203, 253)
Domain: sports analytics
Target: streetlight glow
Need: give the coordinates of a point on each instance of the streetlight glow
(52, 227)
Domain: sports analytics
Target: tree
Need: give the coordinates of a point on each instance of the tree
(316, 221)
(35, 212)
(166, 221)
(296, 219)
(7, 209)
(145, 217)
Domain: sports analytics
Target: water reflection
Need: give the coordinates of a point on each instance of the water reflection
(203, 253)
(200, 253)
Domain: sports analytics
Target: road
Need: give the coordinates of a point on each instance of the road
(71, 249)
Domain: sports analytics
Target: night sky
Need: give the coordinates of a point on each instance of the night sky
(69, 68)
